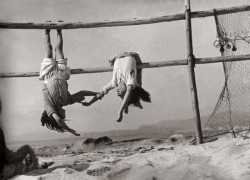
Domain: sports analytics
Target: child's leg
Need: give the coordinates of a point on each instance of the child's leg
(48, 46)
(59, 46)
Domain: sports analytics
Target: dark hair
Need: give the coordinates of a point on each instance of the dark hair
(137, 94)
(50, 123)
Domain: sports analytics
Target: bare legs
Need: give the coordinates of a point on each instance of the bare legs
(59, 46)
(48, 46)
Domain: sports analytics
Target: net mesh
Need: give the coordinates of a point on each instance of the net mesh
(232, 110)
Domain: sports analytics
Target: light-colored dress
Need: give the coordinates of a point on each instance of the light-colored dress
(55, 87)
(124, 71)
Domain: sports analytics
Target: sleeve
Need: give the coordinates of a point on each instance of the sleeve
(109, 86)
(112, 84)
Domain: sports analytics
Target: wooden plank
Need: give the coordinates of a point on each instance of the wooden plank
(159, 64)
(98, 69)
(78, 25)
(107, 23)
(221, 59)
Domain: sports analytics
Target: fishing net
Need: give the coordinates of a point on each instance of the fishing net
(232, 111)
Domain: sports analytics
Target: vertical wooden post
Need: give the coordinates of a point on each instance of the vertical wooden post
(191, 64)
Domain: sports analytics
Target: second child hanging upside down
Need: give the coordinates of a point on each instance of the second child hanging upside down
(55, 73)
(127, 80)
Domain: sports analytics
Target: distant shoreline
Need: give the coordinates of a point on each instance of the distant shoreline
(52, 142)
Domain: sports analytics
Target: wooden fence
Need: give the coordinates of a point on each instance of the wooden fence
(190, 61)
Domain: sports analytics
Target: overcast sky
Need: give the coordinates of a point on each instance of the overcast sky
(23, 51)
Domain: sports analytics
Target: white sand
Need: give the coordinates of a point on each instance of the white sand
(224, 159)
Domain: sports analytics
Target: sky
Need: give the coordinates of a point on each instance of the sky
(23, 51)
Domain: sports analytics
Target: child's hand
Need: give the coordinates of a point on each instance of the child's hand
(99, 95)
(72, 131)
(62, 123)
(126, 110)
(95, 98)
(86, 103)
(120, 117)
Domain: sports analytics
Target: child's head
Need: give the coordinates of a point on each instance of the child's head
(121, 89)
(50, 123)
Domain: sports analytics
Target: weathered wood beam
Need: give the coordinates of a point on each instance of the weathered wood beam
(220, 11)
(98, 69)
(191, 73)
(77, 25)
(221, 59)
(159, 64)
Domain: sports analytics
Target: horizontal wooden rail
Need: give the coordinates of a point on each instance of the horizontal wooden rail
(221, 59)
(143, 65)
(135, 21)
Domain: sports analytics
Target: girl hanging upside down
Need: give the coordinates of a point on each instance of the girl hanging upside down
(55, 73)
(127, 81)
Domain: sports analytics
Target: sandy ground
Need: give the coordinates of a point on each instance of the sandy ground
(174, 158)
